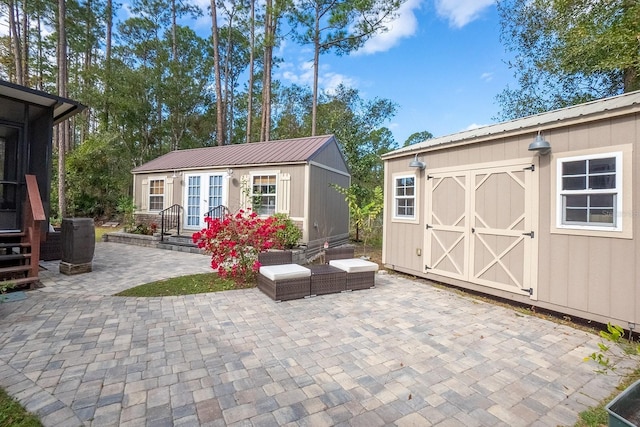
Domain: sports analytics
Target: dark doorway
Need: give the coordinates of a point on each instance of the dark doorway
(10, 171)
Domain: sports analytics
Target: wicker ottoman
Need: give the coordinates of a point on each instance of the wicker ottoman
(361, 274)
(285, 281)
(326, 279)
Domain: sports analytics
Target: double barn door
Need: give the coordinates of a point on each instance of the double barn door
(480, 226)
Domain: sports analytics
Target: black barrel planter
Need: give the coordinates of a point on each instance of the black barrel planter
(78, 238)
(624, 410)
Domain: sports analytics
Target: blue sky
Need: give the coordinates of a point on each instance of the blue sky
(442, 63)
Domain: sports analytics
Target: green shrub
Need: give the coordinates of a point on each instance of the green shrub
(291, 234)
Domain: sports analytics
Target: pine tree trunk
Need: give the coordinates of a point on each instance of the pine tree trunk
(316, 60)
(107, 77)
(14, 32)
(216, 63)
(269, 35)
(40, 59)
(25, 44)
(63, 128)
(174, 44)
(631, 80)
(252, 46)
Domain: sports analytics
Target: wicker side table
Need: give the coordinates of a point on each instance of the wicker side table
(326, 279)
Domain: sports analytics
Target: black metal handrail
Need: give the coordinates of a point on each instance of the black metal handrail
(170, 219)
(218, 212)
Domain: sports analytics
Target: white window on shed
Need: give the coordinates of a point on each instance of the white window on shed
(156, 194)
(405, 197)
(263, 194)
(590, 192)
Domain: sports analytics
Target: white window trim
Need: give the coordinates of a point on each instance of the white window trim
(164, 192)
(618, 227)
(264, 173)
(395, 215)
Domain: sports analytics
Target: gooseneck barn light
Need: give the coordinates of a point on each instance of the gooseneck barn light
(540, 145)
(415, 163)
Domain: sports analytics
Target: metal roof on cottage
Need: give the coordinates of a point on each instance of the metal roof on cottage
(583, 112)
(284, 151)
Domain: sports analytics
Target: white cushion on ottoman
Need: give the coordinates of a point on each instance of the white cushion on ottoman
(354, 265)
(284, 271)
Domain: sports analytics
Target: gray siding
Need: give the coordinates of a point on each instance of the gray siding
(331, 156)
(328, 211)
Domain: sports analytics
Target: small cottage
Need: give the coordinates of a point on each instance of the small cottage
(292, 176)
(539, 210)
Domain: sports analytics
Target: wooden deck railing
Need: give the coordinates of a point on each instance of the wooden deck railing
(34, 217)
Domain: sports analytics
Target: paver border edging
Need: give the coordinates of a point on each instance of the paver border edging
(35, 399)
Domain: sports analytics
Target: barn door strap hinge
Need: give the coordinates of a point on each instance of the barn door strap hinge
(532, 234)
(429, 176)
(428, 226)
(529, 290)
(531, 168)
(426, 267)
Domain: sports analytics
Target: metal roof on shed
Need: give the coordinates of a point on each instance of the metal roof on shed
(589, 111)
(283, 151)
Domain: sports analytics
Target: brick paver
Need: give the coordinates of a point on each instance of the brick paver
(403, 353)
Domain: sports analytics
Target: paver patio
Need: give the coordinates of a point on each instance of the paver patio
(404, 353)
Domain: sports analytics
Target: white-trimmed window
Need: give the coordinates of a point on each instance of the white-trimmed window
(156, 194)
(404, 194)
(590, 192)
(263, 194)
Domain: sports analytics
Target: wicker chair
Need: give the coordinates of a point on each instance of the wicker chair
(342, 252)
(280, 279)
(361, 274)
(51, 248)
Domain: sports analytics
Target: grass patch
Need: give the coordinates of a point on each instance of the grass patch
(102, 230)
(14, 415)
(597, 416)
(184, 285)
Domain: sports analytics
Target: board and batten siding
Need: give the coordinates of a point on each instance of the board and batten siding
(326, 206)
(588, 275)
(594, 277)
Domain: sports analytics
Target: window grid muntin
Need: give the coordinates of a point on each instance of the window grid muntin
(215, 191)
(156, 194)
(263, 190)
(193, 200)
(405, 197)
(593, 214)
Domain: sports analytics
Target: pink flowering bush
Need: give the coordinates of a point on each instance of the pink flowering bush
(235, 241)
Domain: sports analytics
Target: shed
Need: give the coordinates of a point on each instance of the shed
(553, 229)
(292, 176)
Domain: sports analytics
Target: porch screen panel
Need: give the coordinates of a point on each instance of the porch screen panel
(215, 191)
(193, 200)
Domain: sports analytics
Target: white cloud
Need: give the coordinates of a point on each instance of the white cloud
(402, 26)
(302, 74)
(461, 12)
(487, 77)
(473, 126)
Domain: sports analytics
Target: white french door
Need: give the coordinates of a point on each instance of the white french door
(203, 192)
